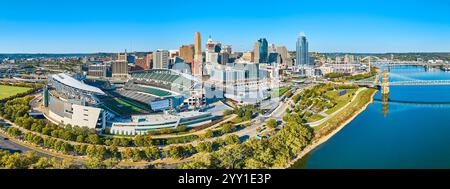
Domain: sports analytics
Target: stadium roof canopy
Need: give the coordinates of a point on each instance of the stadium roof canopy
(72, 82)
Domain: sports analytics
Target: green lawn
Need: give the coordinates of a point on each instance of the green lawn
(341, 100)
(7, 91)
(281, 91)
(315, 117)
(363, 97)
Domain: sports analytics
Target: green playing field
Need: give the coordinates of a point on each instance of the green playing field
(7, 91)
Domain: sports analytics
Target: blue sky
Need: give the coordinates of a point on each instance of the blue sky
(50, 26)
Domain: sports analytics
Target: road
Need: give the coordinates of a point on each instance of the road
(8, 144)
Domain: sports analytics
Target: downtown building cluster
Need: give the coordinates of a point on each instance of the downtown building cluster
(135, 93)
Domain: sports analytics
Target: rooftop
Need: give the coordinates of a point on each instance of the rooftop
(70, 81)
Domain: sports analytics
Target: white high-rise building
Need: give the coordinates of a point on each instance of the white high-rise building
(212, 57)
(161, 59)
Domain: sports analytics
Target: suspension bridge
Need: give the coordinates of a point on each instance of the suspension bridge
(416, 103)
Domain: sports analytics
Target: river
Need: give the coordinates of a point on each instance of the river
(395, 135)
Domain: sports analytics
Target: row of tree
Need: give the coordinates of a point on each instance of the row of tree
(16, 110)
(101, 152)
(275, 152)
(30, 160)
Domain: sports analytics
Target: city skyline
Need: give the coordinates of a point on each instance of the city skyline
(344, 26)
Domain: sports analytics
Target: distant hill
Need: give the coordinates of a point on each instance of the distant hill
(15, 56)
(49, 55)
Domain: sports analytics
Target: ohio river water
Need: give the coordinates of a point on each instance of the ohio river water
(399, 135)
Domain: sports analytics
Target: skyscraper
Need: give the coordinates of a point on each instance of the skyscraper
(256, 51)
(283, 53)
(122, 57)
(272, 48)
(131, 58)
(119, 69)
(217, 47)
(161, 59)
(227, 49)
(212, 57)
(198, 58)
(187, 53)
(224, 58)
(149, 60)
(273, 58)
(302, 50)
(261, 51)
(141, 63)
(212, 51)
(210, 45)
(249, 56)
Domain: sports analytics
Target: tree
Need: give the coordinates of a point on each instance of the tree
(227, 128)
(65, 147)
(125, 142)
(272, 123)
(143, 140)
(151, 153)
(205, 146)
(94, 163)
(14, 131)
(93, 139)
(80, 138)
(113, 152)
(80, 149)
(110, 163)
(137, 155)
(127, 153)
(228, 112)
(100, 152)
(232, 139)
(296, 98)
(174, 152)
(42, 163)
(231, 157)
(248, 115)
(91, 150)
(209, 134)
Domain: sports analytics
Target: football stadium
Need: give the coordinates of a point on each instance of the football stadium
(70, 101)
(149, 100)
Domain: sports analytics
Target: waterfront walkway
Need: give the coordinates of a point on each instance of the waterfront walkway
(319, 122)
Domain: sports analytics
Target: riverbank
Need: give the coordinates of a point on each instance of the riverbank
(319, 141)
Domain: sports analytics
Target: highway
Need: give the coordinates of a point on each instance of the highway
(11, 144)
(8, 144)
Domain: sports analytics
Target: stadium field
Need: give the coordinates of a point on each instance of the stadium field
(157, 92)
(122, 107)
(7, 91)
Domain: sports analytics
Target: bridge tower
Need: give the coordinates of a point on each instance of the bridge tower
(385, 83)
(385, 92)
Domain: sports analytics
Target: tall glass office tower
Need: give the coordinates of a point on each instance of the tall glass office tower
(263, 51)
(302, 50)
